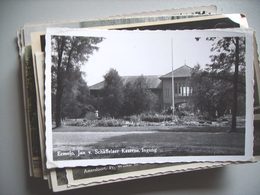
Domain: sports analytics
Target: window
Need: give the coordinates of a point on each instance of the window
(184, 90)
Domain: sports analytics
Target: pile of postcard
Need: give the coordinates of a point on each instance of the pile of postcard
(139, 95)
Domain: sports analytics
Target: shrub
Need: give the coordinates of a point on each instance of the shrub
(109, 122)
(155, 117)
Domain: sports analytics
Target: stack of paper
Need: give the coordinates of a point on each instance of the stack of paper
(141, 95)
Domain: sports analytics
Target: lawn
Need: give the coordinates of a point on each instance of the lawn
(114, 142)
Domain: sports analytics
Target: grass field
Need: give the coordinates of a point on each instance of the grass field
(149, 141)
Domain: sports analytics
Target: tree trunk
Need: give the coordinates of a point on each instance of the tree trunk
(59, 84)
(58, 101)
(235, 80)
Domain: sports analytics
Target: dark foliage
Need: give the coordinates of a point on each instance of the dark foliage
(68, 54)
(113, 95)
(220, 88)
(139, 98)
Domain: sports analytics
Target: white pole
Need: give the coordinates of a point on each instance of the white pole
(173, 107)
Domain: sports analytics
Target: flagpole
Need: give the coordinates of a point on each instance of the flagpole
(173, 107)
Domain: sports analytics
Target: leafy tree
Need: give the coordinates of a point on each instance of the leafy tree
(76, 101)
(113, 96)
(229, 57)
(138, 97)
(68, 54)
(210, 95)
(221, 85)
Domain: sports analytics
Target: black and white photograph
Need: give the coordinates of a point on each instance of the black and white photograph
(118, 97)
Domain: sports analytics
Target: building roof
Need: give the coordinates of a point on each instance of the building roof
(183, 71)
(97, 86)
(153, 81)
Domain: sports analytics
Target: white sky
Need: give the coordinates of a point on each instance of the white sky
(147, 54)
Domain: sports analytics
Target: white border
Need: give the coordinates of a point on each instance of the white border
(248, 156)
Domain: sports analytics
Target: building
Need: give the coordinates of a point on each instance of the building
(182, 88)
(161, 86)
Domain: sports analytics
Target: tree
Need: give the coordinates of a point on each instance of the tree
(113, 96)
(68, 54)
(138, 97)
(210, 95)
(76, 101)
(225, 74)
(229, 57)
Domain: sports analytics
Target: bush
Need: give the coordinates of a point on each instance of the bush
(133, 118)
(78, 122)
(109, 122)
(156, 118)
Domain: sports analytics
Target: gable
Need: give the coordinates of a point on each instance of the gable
(183, 71)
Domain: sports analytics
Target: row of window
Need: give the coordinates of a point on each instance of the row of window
(178, 91)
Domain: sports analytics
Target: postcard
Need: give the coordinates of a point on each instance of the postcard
(185, 23)
(113, 125)
(87, 176)
(201, 10)
(59, 181)
(120, 97)
(31, 118)
(68, 179)
(38, 67)
(151, 16)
